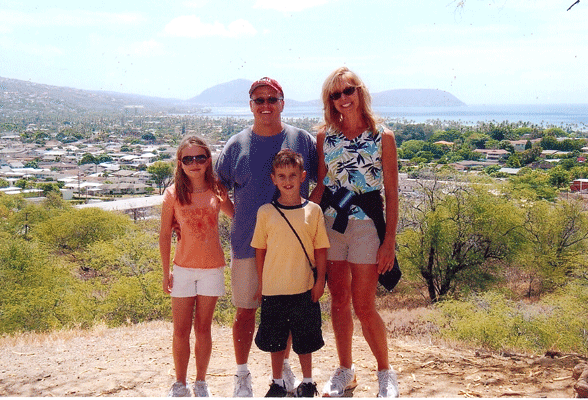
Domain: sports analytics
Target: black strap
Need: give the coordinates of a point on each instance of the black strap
(294, 230)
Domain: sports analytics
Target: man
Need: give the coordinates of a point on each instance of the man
(245, 166)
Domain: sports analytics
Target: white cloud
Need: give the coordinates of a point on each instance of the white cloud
(195, 3)
(191, 26)
(289, 5)
(34, 49)
(146, 48)
(75, 18)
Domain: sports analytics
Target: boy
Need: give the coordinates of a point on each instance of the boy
(288, 291)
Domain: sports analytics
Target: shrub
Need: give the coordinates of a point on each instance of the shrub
(496, 323)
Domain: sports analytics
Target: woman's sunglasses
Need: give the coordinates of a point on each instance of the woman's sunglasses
(271, 100)
(347, 92)
(199, 159)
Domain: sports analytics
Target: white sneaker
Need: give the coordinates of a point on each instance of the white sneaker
(178, 389)
(290, 381)
(201, 389)
(388, 382)
(341, 380)
(243, 386)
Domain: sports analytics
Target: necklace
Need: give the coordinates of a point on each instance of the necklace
(201, 190)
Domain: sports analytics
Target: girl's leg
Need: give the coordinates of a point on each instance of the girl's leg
(202, 327)
(363, 292)
(339, 283)
(182, 313)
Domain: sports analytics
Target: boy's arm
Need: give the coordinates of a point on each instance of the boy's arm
(320, 259)
(259, 260)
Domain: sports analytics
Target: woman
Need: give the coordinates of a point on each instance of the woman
(357, 159)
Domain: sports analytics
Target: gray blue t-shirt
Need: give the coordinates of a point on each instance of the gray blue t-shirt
(245, 166)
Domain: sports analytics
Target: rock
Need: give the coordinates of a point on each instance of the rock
(578, 369)
(581, 386)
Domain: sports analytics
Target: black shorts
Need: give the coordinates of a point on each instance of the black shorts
(283, 314)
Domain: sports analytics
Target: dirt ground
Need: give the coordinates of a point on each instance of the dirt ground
(136, 361)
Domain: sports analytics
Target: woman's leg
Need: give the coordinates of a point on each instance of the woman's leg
(339, 283)
(202, 327)
(182, 313)
(363, 293)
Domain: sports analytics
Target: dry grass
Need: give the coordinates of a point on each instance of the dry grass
(63, 335)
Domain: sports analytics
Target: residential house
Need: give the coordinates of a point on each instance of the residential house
(493, 154)
(579, 185)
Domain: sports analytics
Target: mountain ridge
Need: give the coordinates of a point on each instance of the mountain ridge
(17, 96)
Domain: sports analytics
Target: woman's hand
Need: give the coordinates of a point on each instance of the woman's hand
(386, 255)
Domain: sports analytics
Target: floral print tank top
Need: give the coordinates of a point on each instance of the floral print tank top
(353, 164)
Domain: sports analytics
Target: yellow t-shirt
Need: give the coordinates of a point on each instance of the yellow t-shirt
(286, 270)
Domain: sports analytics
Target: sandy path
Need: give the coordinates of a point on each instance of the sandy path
(136, 362)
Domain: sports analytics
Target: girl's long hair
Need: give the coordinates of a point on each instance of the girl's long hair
(333, 118)
(182, 183)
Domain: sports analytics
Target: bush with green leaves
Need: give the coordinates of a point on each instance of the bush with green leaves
(75, 229)
(492, 321)
(34, 287)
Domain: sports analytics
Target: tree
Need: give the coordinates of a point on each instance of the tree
(558, 238)
(32, 164)
(75, 229)
(477, 140)
(451, 233)
(531, 185)
(88, 158)
(559, 177)
(162, 174)
(528, 145)
(549, 142)
(513, 161)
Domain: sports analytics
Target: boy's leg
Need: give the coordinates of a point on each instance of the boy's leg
(182, 312)
(277, 364)
(202, 327)
(306, 365)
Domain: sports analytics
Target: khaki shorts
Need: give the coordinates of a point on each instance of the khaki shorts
(244, 281)
(358, 245)
(192, 282)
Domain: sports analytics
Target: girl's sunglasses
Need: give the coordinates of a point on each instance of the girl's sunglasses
(347, 92)
(271, 100)
(199, 159)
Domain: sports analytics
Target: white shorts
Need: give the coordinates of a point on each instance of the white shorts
(192, 282)
(244, 282)
(358, 245)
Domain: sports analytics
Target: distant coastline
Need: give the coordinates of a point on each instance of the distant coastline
(573, 115)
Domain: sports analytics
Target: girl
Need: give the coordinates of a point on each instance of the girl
(197, 279)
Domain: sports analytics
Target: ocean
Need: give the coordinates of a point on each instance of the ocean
(574, 116)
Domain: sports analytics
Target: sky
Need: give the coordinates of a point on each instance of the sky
(482, 52)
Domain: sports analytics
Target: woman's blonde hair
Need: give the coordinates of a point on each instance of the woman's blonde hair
(182, 182)
(333, 118)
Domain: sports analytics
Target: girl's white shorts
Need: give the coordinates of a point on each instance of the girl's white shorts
(192, 282)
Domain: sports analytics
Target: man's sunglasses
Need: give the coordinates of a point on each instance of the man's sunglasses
(271, 100)
(347, 92)
(199, 159)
